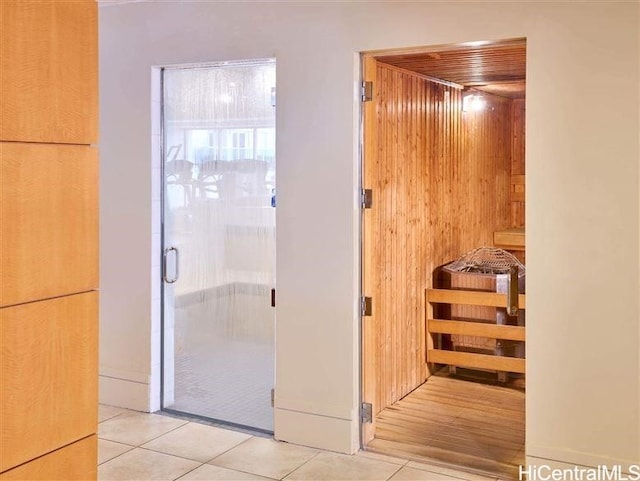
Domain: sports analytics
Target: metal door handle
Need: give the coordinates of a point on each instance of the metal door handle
(512, 292)
(165, 265)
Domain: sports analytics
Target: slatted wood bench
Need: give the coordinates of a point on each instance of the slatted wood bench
(471, 360)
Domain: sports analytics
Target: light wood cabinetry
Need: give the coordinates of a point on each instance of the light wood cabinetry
(49, 394)
(49, 71)
(70, 463)
(48, 240)
(48, 220)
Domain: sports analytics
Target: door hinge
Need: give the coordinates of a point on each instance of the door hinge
(273, 298)
(366, 92)
(273, 397)
(366, 413)
(365, 306)
(366, 198)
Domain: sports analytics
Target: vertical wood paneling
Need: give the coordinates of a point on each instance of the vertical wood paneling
(441, 183)
(485, 174)
(518, 163)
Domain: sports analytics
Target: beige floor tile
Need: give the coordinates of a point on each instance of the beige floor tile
(332, 466)
(411, 474)
(107, 412)
(208, 472)
(197, 441)
(137, 428)
(449, 472)
(108, 450)
(382, 457)
(265, 457)
(141, 464)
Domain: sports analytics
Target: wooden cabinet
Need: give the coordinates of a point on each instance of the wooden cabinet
(75, 462)
(49, 393)
(49, 71)
(48, 240)
(48, 220)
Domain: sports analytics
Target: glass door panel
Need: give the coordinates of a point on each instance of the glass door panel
(219, 241)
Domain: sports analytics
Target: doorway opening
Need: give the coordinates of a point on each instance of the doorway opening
(443, 358)
(218, 241)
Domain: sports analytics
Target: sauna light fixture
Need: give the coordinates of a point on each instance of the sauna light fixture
(473, 103)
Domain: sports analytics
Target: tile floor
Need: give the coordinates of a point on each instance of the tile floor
(141, 446)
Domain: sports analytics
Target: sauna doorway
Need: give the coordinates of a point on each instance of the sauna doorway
(443, 159)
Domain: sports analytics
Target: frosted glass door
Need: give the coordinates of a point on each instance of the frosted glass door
(219, 241)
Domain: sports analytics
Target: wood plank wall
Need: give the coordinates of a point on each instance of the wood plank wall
(441, 183)
(517, 163)
(482, 187)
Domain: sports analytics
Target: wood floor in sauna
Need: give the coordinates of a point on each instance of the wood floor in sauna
(456, 422)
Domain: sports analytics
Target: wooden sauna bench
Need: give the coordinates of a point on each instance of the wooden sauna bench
(444, 326)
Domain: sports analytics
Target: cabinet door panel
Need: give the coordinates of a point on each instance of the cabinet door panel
(48, 71)
(48, 221)
(48, 367)
(76, 462)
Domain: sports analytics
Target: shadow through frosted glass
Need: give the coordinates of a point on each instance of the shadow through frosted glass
(219, 213)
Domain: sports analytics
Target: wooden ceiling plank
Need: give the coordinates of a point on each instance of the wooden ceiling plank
(493, 63)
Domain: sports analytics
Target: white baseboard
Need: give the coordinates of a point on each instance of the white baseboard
(124, 393)
(322, 432)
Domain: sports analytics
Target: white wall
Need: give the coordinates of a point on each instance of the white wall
(582, 198)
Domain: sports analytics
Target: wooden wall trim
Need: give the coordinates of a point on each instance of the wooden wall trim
(370, 349)
(434, 80)
(518, 192)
